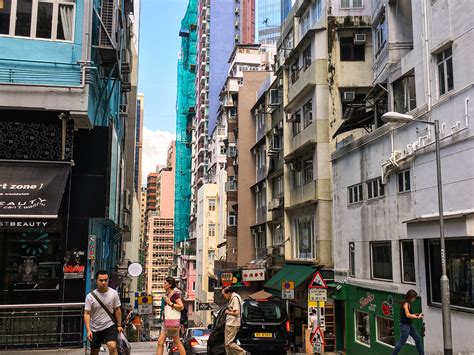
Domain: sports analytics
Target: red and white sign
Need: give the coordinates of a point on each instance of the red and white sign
(318, 337)
(253, 275)
(317, 281)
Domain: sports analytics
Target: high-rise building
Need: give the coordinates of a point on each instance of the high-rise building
(268, 21)
(139, 142)
(286, 6)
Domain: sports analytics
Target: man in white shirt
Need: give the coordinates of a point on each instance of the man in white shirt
(101, 326)
(232, 323)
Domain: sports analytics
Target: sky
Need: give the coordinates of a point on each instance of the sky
(158, 56)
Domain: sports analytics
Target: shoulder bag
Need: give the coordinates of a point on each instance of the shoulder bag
(172, 318)
(104, 307)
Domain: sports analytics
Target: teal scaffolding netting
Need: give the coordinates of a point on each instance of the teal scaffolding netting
(185, 111)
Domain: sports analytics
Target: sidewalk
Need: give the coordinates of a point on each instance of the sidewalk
(137, 349)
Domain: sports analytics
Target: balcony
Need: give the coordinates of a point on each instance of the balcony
(315, 74)
(309, 193)
(316, 132)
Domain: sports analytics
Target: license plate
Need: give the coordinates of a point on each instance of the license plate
(263, 335)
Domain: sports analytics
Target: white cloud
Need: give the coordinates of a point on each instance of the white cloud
(155, 150)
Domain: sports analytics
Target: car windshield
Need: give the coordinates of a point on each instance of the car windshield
(255, 311)
(201, 332)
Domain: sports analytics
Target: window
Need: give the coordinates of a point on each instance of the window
(375, 188)
(380, 35)
(362, 324)
(317, 10)
(277, 187)
(296, 122)
(404, 181)
(381, 260)
(445, 70)
(232, 219)
(222, 150)
(307, 171)
(351, 52)
(408, 261)
(351, 4)
(385, 333)
(212, 204)
(294, 72)
(305, 236)
(307, 59)
(308, 113)
(277, 231)
(460, 264)
(211, 230)
(355, 193)
(352, 259)
(297, 174)
(48, 19)
(404, 94)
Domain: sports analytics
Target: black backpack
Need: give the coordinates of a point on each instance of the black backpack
(183, 320)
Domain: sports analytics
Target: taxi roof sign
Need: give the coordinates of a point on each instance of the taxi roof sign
(317, 281)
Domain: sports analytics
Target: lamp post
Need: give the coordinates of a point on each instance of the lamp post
(445, 295)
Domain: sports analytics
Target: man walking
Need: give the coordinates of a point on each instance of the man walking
(102, 315)
(232, 323)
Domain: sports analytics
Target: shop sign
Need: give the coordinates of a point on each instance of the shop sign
(231, 278)
(32, 189)
(24, 223)
(365, 301)
(288, 290)
(317, 281)
(253, 275)
(74, 265)
(387, 307)
(317, 294)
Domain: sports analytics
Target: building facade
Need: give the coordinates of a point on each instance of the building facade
(65, 85)
(385, 179)
(268, 21)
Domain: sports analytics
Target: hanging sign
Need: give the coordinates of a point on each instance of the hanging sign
(253, 275)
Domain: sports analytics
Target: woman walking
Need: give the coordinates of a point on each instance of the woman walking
(406, 327)
(171, 306)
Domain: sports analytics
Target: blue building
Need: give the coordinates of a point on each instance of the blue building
(286, 6)
(64, 91)
(269, 13)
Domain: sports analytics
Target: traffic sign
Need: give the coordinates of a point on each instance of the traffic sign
(145, 309)
(317, 348)
(145, 299)
(317, 294)
(318, 337)
(288, 290)
(317, 281)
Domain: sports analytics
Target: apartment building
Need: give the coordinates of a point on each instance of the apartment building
(384, 177)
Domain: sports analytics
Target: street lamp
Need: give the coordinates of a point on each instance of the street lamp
(445, 301)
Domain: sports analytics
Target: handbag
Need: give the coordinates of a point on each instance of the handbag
(172, 318)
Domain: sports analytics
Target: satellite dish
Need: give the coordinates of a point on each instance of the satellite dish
(135, 269)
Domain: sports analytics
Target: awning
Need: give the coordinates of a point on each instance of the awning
(32, 189)
(261, 295)
(297, 273)
(355, 118)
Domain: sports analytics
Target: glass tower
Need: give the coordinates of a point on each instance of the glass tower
(269, 20)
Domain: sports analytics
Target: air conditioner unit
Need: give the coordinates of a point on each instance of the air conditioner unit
(280, 82)
(237, 10)
(294, 166)
(280, 125)
(236, 37)
(236, 24)
(359, 38)
(261, 229)
(348, 96)
(275, 130)
(257, 188)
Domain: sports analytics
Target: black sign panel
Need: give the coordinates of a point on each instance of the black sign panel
(204, 307)
(31, 189)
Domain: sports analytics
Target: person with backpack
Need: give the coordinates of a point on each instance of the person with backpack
(171, 307)
(232, 323)
(406, 327)
(102, 315)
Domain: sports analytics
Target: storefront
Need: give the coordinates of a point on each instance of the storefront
(367, 321)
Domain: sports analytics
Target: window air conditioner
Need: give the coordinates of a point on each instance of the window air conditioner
(359, 38)
(349, 96)
(294, 166)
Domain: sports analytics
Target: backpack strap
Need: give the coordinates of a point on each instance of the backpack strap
(104, 307)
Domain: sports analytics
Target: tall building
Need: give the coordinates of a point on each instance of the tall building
(268, 21)
(139, 142)
(65, 85)
(185, 113)
(160, 230)
(286, 6)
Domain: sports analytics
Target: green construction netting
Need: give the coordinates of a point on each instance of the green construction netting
(185, 103)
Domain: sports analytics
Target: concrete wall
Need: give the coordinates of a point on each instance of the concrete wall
(246, 171)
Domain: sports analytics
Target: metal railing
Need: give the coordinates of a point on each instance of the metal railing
(41, 326)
